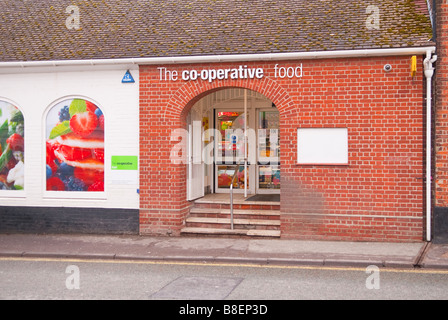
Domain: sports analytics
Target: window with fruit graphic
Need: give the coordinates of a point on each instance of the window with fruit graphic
(11, 147)
(75, 147)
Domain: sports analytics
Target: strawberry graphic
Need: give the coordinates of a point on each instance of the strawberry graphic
(15, 142)
(90, 106)
(55, 184)
(74, 154)
(97, 186)
(83, 124)
(99, 154)
(51, 157)
(89, 176)
(101, 121)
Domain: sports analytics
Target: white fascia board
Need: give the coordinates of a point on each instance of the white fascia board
(222, 58)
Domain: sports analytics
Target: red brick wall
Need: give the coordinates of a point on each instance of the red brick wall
(377, 197)
(440, 129)
(441, 123)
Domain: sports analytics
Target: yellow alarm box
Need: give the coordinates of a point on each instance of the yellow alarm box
(413, 66)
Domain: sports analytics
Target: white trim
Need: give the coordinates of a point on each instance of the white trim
(225, 58)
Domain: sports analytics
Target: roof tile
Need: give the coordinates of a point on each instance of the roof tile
(36, 30)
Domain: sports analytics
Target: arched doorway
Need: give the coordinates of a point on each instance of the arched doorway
(165, 184)
(233, 131)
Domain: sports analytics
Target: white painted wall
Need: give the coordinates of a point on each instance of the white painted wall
(34, 91)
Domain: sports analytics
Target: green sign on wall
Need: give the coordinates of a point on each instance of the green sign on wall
(124, 163)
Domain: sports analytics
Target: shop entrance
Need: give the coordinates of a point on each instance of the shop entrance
(233, 128)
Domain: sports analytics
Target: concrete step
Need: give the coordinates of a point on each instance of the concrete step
(250, 220)
(224, 223)
(237, 213)
(229, 232)
(239, 206)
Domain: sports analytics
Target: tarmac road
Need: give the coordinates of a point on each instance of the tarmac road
(54, 278)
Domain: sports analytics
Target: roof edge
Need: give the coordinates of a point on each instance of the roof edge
(225, 58)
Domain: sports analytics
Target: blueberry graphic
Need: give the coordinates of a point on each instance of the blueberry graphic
(64, 114)
(74, 184)
(98, 112)
(49, 172)
(65, 170)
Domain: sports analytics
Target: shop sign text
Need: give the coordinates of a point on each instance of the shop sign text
(240, 72)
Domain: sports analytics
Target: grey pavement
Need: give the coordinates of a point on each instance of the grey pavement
(226, 250)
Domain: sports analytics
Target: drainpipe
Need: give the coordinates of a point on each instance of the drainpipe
(429, 72)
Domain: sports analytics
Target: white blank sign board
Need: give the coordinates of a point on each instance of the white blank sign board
(322, 146)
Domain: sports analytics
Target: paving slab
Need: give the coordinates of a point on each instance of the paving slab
(436, 257)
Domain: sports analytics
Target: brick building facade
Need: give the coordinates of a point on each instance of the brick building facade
(326, 92)
(379, 194)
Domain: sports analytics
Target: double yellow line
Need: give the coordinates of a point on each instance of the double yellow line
(213, 264)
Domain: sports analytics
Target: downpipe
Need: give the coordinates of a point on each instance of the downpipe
(429, 72)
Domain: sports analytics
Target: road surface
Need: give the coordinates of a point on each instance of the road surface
(34, 278)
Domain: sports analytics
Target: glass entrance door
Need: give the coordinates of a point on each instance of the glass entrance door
(262, 174)
(268, 151)
(230, 151)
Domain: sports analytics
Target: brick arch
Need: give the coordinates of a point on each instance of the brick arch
(180, 104)
(187, 95)
(163, 205)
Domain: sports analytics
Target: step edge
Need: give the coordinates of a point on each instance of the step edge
(235, 221)
(211, 231)
(236, 211)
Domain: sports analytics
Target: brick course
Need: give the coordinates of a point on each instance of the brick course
(378, 196)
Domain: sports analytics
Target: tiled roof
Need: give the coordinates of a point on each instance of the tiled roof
(36, 29)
